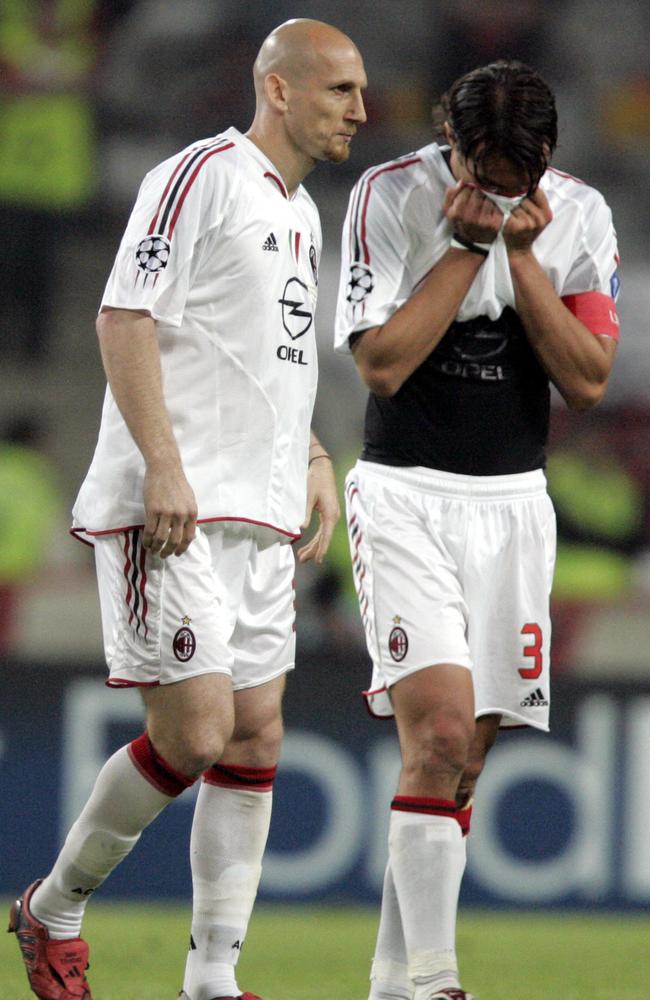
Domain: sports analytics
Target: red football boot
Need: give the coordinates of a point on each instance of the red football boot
(55, 969)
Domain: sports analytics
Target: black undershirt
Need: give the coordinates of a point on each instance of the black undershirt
(479, 405)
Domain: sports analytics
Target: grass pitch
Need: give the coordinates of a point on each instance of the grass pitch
(323, 953)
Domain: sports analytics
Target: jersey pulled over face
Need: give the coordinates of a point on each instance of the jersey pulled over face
(227, 265)
(479, 404)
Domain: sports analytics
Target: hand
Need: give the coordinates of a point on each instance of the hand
(170, 511)
(321, 496)
(473, 216)
(526, 222)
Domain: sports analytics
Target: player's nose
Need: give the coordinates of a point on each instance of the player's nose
(358, 109)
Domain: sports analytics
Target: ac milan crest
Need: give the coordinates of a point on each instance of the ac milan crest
(313, 262)
(398, 644)
(184, 644)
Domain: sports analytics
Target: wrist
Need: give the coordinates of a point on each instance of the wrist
(521, 260)
(460, 243)
(321, 454)
(162, 459)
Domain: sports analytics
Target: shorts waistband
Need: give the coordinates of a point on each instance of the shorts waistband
(451, 484)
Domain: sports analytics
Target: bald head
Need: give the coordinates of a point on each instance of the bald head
(309, 82)
(296, 48)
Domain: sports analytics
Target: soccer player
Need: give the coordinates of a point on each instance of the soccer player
(473, 275)
(200, 481)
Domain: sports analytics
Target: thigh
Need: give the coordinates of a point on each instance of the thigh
(434, 711)
(163, 620)
(193, 712)
(429, 699)
(407, 577)
(512, 546)
(258, 730)
(263, 640)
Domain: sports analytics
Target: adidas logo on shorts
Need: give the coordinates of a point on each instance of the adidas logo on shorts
(535, 699)
(270, 243)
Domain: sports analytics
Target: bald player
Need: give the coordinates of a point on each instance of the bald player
(205, 471)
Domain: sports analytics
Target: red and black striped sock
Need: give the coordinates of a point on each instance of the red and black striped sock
(155, 768)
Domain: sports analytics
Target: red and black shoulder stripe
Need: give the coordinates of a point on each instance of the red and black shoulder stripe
(180, 183)
(359, 248)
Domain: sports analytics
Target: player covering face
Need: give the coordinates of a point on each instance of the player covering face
(473, 276)
(205, 470)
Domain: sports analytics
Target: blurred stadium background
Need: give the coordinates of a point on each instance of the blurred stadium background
(92, 94)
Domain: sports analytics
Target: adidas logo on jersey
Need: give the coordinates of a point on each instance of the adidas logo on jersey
(270, 243)
(535, 699)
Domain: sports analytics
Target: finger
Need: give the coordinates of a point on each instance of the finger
(161, 534)
(457, 201)
(189, 534)
(325, 533)
(169, 546)
(308, 551)
(452, 193)
(324, 541)
(150, 527)
(538, 198)
(489, 213)
(174, 538)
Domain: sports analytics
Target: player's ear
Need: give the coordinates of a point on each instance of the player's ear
(450, 135)
(276, 90)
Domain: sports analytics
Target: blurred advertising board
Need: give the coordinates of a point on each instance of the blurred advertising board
(561, 820)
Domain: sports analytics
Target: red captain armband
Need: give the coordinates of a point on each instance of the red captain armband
(596, 311)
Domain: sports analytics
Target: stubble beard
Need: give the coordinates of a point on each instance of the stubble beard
(337, 152)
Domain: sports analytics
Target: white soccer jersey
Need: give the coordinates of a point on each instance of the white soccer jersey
(226, 264)
(395, 231)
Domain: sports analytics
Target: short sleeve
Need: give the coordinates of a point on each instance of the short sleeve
(178, 203)
(374, 249)
(592, 284)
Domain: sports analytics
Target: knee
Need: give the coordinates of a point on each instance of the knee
(256, 744)
(438, 746)
(191, 749)
(200, 751)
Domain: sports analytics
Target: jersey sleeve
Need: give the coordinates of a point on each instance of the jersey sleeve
(592, 285)
(178, 203)
(374, 249)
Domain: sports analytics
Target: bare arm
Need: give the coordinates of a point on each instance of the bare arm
(129, 349)
(387, 355)
(577, 362)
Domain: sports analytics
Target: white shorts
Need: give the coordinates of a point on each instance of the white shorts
(456, 569)
(224, 606)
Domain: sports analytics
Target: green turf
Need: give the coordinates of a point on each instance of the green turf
(315, 953)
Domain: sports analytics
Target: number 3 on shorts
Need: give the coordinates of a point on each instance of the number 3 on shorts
(534, 650)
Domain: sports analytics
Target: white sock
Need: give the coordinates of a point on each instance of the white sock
(389, 978)
(123, 802)
(427, 857)
(229, 834)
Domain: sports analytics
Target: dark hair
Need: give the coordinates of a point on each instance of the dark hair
(504, 109)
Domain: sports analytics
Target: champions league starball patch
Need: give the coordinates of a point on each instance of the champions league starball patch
(152, 254)
(360, 283)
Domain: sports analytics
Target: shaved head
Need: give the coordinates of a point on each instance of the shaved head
(309, 82)
(294, 49)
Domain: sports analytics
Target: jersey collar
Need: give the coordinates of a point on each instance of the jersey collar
(270, 171)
